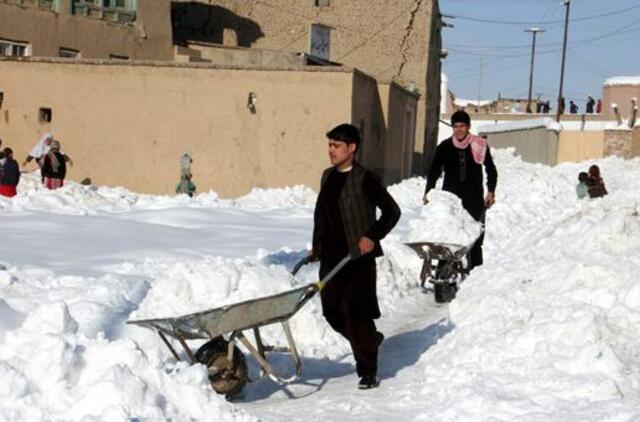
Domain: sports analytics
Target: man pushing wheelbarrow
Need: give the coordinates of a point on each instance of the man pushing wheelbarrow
(345, 224)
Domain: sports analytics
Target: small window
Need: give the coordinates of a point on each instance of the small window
(321, 3)
(13, 48)
(117, 57)
(68, 53)
(45, 115)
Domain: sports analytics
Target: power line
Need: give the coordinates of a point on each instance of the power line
(578, 43)
(602, 15)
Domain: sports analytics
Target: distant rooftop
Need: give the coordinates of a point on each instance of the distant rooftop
(623, 80)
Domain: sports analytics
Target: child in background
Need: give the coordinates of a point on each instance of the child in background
(186, 185)
(582, 189)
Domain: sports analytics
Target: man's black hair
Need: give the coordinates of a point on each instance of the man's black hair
(460, 116)
(583, 176)
(345, 133)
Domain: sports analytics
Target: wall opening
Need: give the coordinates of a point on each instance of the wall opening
(45, 115)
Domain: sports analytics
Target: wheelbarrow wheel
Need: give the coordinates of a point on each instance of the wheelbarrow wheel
(444, 292)
(227, 377)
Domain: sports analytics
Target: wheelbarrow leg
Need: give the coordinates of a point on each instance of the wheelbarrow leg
(254, 352)
(260, 345)
(192, 357)
(292, 348)
(166, 342)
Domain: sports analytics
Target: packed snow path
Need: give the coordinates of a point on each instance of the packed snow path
(328, 389)
(547, 330)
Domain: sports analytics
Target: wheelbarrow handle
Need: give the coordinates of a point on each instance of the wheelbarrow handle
(304, 261)
(320, 284)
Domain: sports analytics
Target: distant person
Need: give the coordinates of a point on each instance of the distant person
(463, 157)
(39, 152)
(54, 168)
(573, 107)
(186, 185)
(561, 105)
(538, 107)
(9, 174)
(595, 182)
(582, 189)
(590, 104)
(546, 107)
(599, 106)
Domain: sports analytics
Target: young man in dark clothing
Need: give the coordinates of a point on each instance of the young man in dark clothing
(345, 224)
(462, 157)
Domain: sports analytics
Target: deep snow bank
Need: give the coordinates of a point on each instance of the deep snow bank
(548, 328)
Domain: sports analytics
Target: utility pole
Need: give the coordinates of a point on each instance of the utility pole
(534, 31)
(480, 80)
(567, 3)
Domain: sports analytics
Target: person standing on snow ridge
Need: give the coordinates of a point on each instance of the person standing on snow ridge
(596, 183)
(573, 107)
(54, 168)
(40, 151)
(590, 104)
(9, 174)
(345, 223)
(462, 157)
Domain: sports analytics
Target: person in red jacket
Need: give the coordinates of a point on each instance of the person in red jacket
(9, 174)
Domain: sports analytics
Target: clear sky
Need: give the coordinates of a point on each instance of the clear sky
(604, 41)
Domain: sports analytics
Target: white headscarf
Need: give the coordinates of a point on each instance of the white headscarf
(41, 148)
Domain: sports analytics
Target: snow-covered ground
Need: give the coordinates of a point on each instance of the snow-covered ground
(547, 330)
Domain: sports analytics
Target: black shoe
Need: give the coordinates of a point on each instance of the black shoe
(379, 337)
(367, 382)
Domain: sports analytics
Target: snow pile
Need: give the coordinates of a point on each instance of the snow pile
(444, 220)
(549, 328)
(59, 364)
(77, 199)
(543, 122)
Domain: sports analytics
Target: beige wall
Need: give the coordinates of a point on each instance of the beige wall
(620, 142)
(126, 123)
(577, 146)
(621, 95)
(534, 145)
(149, 38)
(389, 40)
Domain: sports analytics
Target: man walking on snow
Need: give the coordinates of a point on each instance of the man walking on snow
(345, 223)
(462, 157)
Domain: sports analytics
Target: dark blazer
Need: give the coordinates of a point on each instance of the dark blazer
(362, 194)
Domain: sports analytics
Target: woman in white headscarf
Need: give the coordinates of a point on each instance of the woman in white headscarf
(40, 151)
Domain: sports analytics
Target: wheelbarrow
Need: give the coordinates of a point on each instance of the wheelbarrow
(224, 328)
(449, 270)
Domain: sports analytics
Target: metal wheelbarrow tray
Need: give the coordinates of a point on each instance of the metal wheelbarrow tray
(226, 364)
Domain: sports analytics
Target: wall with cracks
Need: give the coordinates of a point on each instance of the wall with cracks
(389, 40)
